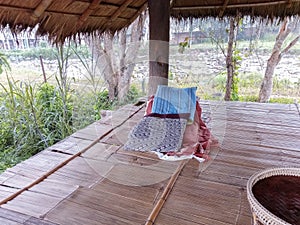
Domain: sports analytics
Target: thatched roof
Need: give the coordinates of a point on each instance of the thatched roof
(61, 19)
(269, 9)
(64, 18)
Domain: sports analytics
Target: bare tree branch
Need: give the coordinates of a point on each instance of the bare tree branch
(291, 44)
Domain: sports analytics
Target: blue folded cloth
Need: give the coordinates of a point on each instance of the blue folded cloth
(170, 100)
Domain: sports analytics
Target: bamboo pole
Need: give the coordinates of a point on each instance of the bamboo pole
(40, 179)
(155, 211)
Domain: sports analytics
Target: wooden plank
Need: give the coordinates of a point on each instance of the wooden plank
(229, 170)
(18, 181)
(164, 219)
(44, 161)
(89, 207)
(37, 164)
(100, 151)
(36, 221)
(8, 222)
(8, 217)
(263, 128)
(148, 194)
(77, 214)
(92, 132)
(117, 137)
(203, 201)
(55, 189)
(82, 172)
(32, 203)
(139, 175)
(5, 192)
(12, 216)
(199, 211)
(70, 145)
(31, 169)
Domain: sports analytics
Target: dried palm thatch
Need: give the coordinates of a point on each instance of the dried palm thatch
(270, 9)
(61, 19)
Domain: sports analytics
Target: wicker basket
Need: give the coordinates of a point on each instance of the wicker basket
(260, 214)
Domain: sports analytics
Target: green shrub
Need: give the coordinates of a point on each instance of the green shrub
(219, 82)
(54, 114)
(6, 131)
(23, 133)
(32, 118)
(133, 94)
(102, 102)
(248, 98)
(3, 62)
(283, 100)
(250, 80)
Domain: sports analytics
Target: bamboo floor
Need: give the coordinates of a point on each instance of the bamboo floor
(89, 179)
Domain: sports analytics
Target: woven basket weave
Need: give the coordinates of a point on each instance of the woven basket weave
(260, 214)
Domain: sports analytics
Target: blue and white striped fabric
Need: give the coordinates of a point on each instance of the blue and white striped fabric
(170, 100)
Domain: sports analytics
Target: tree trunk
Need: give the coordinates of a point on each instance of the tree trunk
(128, 56)
(110, 70)
(123, 77)
(117, 64)
(229, 61)
(267, 83)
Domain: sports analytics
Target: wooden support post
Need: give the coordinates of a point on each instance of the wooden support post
(159, 14)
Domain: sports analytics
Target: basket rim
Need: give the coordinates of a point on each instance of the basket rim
(256, 206)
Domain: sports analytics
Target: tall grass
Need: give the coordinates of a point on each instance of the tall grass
(34, 116)
(22, 129)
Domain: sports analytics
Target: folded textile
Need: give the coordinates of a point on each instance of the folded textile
(170, 100)
(197, 138)
(157, 134)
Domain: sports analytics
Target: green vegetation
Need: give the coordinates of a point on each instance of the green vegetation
(34, 116)
(235, 83)
(248, 88)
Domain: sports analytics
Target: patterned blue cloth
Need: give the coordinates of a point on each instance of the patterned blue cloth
(157, 134)
(170, 100)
